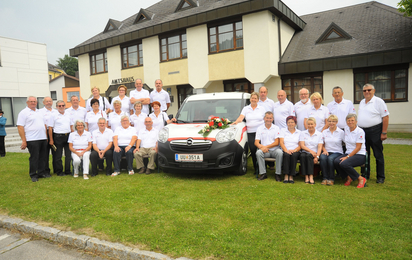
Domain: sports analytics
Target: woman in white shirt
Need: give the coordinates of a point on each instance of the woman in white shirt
(160, 119)
(317, 111)
(80, 144)
(355, 153)
(124, 141)
(333, 138)
(289, 142)
(93, 116)
(114, 117)
(124, 100)
(254, 115)
(137, 119)
(310, 142)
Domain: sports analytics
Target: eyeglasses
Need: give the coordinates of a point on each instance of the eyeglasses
(368, 90)
(61, 105)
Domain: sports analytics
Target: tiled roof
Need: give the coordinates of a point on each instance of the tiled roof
(374, 27)
(54, 67)
(64, 75)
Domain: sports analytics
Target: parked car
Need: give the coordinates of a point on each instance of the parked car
(181, 147)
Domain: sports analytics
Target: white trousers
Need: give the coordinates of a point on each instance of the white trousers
(77, 160)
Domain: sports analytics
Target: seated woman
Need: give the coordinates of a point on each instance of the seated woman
(355, 153)
(333, 138)
(124, 141)
(80, 144)
(159, 118)
(311, 142)
(289, 141)
(114, 117)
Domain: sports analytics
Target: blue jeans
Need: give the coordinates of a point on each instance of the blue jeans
(117, 157)
(327, 167)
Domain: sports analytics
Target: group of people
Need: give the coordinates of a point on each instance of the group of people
(333, 136)
(101, 131)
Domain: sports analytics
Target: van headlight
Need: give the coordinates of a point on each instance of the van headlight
(226, 135)
(164, 135)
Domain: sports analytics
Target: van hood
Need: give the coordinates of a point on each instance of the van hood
(185, 131)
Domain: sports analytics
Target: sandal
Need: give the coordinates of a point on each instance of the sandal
(362, 184)
(75, 175)
(85, 177)
(115, 174)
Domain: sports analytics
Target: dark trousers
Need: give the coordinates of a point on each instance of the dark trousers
(252, 147)
(306, 161)
(346, 169)
(117, 156)
(289, 163)
(2, 146)
(373, 140)
(38, 154)
(327, 165)
(47, 159)
(60, 141)
(95, 159)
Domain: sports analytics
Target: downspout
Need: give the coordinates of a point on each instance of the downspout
(279, 39)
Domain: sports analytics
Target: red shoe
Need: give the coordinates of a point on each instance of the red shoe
(348, 182)
(361, 184)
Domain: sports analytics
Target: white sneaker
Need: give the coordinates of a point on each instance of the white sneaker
(85, 177)
(115, 174)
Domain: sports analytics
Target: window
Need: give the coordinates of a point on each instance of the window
(185, 4)
(72, 93)
(98, 63)
(226, 37)
(390, 82)
(183, 92)
(132, 56)
(173, 47)
(293, 83)
(333, 33)
(239, 85)
(50, 77)
(53, 95)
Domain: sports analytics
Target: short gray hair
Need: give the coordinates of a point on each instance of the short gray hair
(27, 100)
(59, 101)
(78, 121)
(352, 115)
(137, 103)
(117, 102)
(102, 118)
(123, 117)
(311, 119)
(368, 85)
(337, 87)
(303, 89)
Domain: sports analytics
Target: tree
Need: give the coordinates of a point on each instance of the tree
(405, 7)
(68, 64)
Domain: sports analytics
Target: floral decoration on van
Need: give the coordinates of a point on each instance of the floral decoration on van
(214, 123)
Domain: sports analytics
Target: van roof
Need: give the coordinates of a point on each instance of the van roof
(219, 95)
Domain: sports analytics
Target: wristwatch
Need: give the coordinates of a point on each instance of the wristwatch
(317, 156)
(348, 156)
(384, 133)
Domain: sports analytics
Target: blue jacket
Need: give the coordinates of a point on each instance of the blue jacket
(3, 126)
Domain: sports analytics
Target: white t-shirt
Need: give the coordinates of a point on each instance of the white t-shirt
(333, 141)
(125, 135)
(102, 140)
(162, 97)
(291, 141)
(80, 141)
(148, 138)
(32, 121)
(115, 120)
(311, 142)
(341, 110)
(354, 137)
(281, 112)
(300, 111)
(254, 118)
(92, 119)
(125, 104)
(76, 114)
(268, 136)
(138, 121)
(319, 114)
(60, 123)
(138, 95)
(371, 114)
(158, 121)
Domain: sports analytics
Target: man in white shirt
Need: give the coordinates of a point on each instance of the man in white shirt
(267, 141)
(373, 118)
(46, 112)
(146, 145)
(283, 108)
(301, 107)
(75, 111)
(59, 130)
(264, 101)
(340, 107)
(139, 94)
(33, 136)
(160, 95)
(102, 147)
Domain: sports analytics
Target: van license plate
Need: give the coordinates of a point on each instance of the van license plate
(179, 157)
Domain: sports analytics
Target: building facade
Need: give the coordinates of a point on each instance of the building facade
(23, 72)
(238, 45)
(66, 86)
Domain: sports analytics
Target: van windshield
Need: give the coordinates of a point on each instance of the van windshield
(200, 110)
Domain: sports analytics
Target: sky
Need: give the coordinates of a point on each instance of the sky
(62, 25)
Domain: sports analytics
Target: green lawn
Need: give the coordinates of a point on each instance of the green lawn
(220, 216)
(400, 135)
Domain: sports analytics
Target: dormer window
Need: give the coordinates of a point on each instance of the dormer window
(333, 33)
(143, 15)
(112, 25)
(185, 4)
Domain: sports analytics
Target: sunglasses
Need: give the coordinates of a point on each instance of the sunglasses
(61, 105)
(368, 90)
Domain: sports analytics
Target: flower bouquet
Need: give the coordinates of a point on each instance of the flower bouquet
(214, 122)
